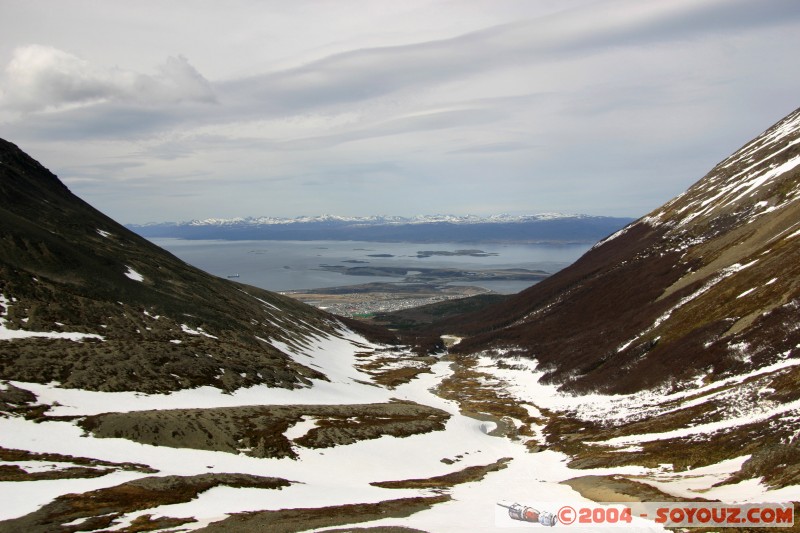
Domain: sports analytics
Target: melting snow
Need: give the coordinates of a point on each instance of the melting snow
(522, 381)
(781, 130)
(795, 234)
(623, 231)
(7, 334)
(697, 481)
(330, 476)
(339, 475)
(757, 415)
(723, 274)
(714, 193)
(306, 424)
(198, 331)
(132, 274)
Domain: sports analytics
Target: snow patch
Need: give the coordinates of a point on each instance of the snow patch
(198, 331)
(723, 274)
(271, 306)
(7, 334)
(616, 234)
(132, 274)
(704, 429)
(793, 235)
(745, 293)
(522, 381)
(303, 426)
(710, 195)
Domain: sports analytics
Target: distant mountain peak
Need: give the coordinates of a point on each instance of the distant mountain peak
(380, 219)
(537, 228)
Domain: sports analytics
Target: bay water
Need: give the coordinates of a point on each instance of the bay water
(296, 265)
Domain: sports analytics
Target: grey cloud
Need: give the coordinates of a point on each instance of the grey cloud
(103, 121)
(431, 121)
(492, 148)
(369, 73)
(141, 104)
(42, 77)
(558, 119)
(363, 170)
(456, 118)
(97, 172)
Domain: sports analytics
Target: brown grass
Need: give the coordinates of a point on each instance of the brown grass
(466, 386)
(292, 520)
(102, 507)
(467, 475)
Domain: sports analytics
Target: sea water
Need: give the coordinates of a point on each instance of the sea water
(296, 265)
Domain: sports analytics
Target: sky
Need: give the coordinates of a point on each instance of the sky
(171, 111)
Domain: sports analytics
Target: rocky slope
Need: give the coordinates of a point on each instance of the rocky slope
(89, 304)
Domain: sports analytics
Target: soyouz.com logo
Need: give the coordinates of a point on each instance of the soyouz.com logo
(523, 513)
(667, 514)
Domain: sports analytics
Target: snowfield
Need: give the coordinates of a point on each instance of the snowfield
(342, 474)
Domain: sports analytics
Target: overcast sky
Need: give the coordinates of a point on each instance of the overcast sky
(156, 111)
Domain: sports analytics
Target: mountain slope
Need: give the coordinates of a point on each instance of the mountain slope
(705, 287)
(89, 304)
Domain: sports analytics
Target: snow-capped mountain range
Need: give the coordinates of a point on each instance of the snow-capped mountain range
(380, 220)
(543, 227)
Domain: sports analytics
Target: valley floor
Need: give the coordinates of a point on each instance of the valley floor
(371, 298)
(492, 450)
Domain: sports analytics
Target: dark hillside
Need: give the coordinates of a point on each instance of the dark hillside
(90, 304)
(418, 317)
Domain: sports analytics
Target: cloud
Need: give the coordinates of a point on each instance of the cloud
(124, 103)
(613, 105)
(414, 123)
(368, 73)
(40, 78)
(492, 148)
